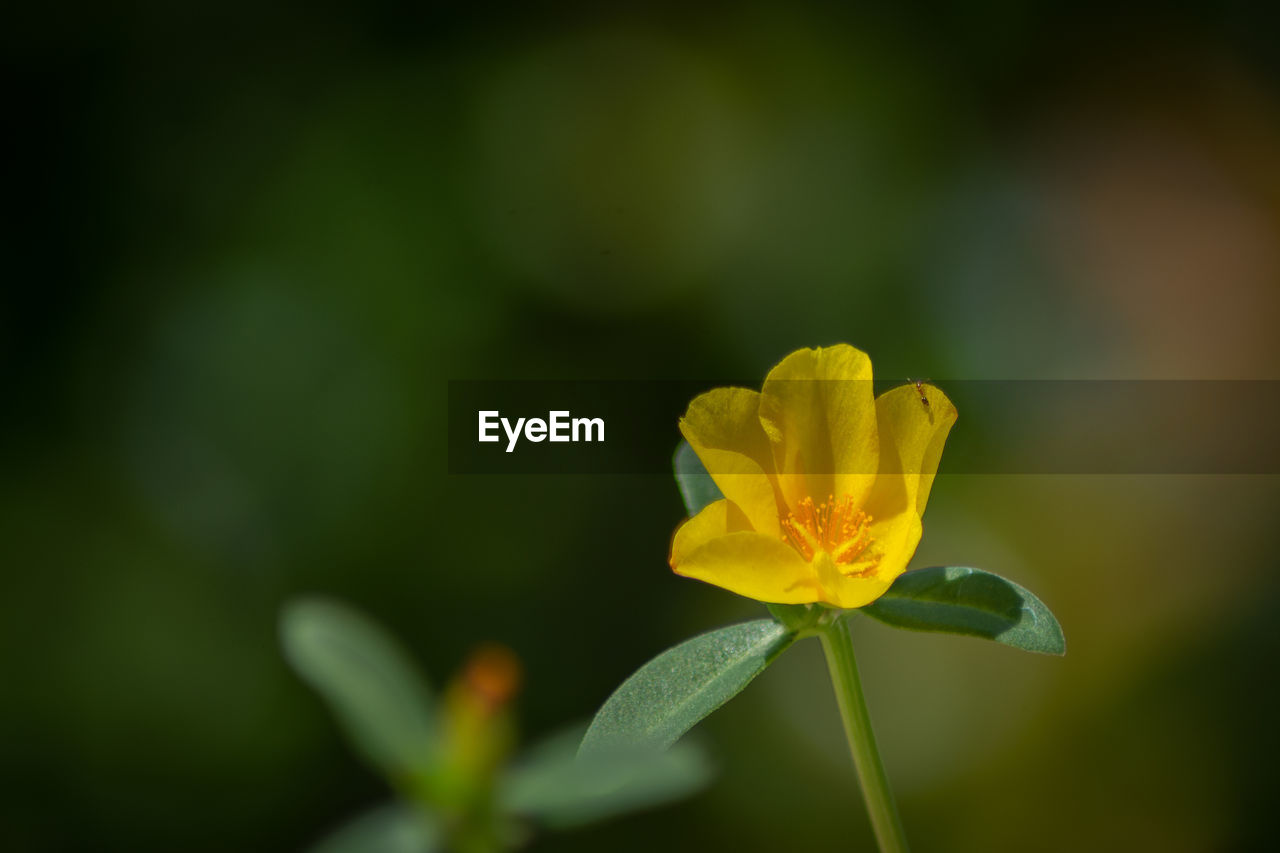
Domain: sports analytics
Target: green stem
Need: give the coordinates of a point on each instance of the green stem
(838, 646)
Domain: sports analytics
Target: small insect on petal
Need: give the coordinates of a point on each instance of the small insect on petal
(924, 399)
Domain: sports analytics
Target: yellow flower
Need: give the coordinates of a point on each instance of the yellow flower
(824, 484)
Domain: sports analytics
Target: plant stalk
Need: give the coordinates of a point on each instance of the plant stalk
(838, 646)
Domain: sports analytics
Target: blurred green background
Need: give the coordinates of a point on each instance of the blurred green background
(248, 247)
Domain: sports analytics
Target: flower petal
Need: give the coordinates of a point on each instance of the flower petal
(716, 519)
(713, 547)
(723, 427)
(895, 540)
(848, 593)
(819, 413)
(911, 440)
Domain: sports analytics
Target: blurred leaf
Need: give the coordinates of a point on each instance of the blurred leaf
(960, 600)
(393, 828)
(671, 693)
(367, 679)
(556, 786)
(696, 486)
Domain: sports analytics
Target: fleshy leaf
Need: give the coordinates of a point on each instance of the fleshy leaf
(392, 828)
(796, 617)
(673, 692)
(960, 600)
(368, 681)
(696, 486)
(552, 784)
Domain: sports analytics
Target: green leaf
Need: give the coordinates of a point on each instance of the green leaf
(393, 828)
(552, 784)
(696, 486)
(796, 617)
(671, 693)
(960, 600)
(366, 678)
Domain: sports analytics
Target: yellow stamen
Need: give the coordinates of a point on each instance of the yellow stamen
(833, 527)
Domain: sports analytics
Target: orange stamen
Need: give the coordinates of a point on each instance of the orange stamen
(835, 527)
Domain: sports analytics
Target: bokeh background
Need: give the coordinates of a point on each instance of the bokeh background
(249, 245)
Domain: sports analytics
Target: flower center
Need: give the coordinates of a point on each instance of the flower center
(835, 528)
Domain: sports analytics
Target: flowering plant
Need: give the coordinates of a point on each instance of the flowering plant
(808, 496)
(450, 760)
